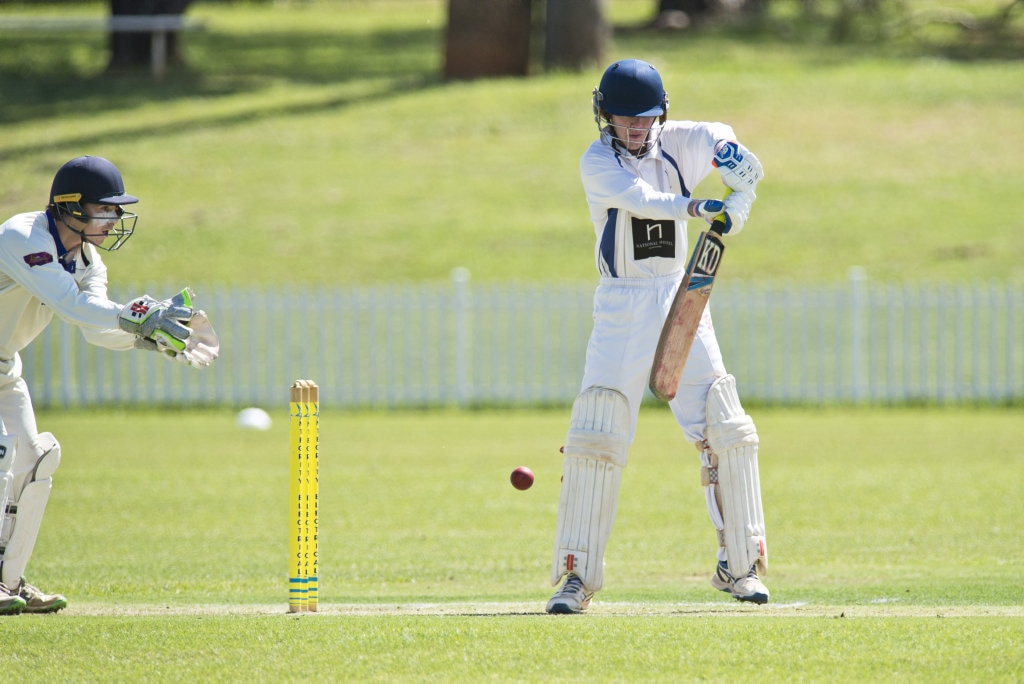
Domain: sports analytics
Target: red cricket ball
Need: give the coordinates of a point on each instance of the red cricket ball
(522, 478)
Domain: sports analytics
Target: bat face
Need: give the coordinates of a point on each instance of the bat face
(684, 316)
(707, 255)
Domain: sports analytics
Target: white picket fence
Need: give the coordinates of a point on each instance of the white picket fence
(467, 344)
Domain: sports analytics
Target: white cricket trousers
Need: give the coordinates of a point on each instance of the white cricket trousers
(628, 317)
(17, 417)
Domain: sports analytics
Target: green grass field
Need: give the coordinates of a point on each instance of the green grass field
(894, 553)
(314, 143)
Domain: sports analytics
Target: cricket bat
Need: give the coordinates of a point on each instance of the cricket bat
(684, 316)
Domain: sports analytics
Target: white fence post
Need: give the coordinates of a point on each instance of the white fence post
(858, 317)
(463, 333)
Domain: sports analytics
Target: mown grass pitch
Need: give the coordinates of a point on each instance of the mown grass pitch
(891, 532)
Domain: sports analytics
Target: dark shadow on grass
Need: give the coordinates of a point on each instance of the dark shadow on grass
(131, 131)
(38, 80)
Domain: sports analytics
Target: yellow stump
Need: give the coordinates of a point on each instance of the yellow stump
(313, 496)
(304, 456)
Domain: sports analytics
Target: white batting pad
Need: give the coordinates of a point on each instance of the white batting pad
(24, 516)
(595, 455)
(732, 437)
(7, 444)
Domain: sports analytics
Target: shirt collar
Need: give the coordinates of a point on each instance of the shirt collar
(66, 259)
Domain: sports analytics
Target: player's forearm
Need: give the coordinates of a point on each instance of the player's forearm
(639, 198)
(117, 340)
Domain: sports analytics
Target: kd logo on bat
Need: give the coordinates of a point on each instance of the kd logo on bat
(708, 259)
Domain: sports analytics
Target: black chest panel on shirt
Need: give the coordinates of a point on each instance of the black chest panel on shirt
(653, 238)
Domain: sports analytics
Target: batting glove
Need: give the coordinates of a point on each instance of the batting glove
(740, 169)
(737, 208)
(713, 211)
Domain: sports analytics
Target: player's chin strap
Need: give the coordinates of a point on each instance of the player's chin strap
(595, 455)
(23, 511)
(731, 479)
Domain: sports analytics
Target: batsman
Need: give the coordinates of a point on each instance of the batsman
(50, 265)
(637, 177)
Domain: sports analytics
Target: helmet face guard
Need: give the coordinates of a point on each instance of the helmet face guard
(65, 206)
(93, 180)
(630, 88)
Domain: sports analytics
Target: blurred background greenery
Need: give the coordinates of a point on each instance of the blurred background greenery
(307, 143)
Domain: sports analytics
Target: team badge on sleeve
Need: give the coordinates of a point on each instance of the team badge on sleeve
(38, 259)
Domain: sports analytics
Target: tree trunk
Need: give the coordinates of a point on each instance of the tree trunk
(130, 51)
(576, 34)
(487, 38)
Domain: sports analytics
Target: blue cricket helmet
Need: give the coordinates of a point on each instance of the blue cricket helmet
(92, 180)
(89, 179)
(631, 87)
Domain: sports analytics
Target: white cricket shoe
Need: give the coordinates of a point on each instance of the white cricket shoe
(571, 598)
(37, 601)
(10, 602)
(749, 588)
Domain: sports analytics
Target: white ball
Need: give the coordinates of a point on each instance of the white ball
(253, 418)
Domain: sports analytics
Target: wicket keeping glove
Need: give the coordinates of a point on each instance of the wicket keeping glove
(201, 346)
(162, 323)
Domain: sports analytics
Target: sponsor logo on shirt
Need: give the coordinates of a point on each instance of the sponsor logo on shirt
(653, 238)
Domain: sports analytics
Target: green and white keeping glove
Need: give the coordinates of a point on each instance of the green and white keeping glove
(162, 323)
(203, 345)
(198, 346)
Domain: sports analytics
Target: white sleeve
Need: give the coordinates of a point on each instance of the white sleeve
(94, 282)
(692, 145)
(29, 260)
(608, 184)
(695, 143)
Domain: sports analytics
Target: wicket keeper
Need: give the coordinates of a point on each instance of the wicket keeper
(50, 265)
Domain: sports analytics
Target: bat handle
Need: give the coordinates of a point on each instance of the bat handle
(718, 226)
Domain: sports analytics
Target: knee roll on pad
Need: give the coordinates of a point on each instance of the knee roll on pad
(595, 455)
(728, 424)
(48, 462)
(732, 481)
(23, 514)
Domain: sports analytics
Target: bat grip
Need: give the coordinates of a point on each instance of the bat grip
(718, 226)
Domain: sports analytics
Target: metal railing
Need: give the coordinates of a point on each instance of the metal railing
(463, 344)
